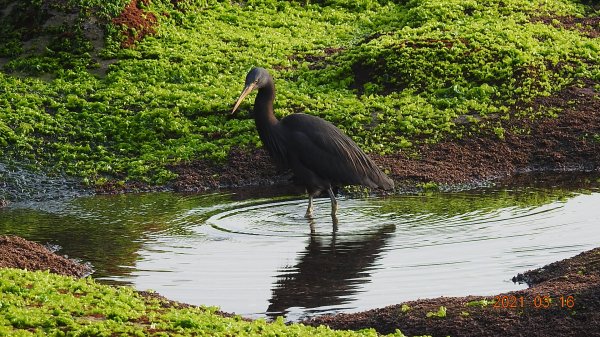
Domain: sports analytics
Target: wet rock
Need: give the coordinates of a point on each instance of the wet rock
(18, 183)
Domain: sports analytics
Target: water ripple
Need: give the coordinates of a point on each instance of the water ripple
(260, 257)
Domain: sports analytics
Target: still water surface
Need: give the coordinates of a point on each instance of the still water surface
(257, 256)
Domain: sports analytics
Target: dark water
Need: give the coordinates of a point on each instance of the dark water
(257, 256)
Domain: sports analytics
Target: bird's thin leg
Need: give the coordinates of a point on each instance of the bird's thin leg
(309, 210)
(311, 223)
(333, 202)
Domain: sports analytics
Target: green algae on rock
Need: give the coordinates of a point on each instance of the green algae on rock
(391, 75)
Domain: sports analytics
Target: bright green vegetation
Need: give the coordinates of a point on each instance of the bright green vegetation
(481, 303)
(40, 303)
(389, 74)
(441, 313)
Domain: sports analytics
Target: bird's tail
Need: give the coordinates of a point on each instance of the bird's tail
(377, 178)
(387, 183)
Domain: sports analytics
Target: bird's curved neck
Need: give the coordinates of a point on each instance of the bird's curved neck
(263, 106)
(268, 126)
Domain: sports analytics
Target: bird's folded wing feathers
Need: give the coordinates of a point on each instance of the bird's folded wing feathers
(325, 149)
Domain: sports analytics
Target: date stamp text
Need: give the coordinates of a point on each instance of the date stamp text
(537, 302)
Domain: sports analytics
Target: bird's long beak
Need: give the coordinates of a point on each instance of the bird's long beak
(243, 95)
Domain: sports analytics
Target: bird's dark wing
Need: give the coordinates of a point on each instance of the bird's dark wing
(328, 152)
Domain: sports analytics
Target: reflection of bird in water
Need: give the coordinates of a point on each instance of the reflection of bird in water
(319, 154)
(328, 275)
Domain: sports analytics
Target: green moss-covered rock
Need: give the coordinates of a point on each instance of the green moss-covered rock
(390, 74)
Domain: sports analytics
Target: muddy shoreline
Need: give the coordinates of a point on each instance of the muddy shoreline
(563, 299)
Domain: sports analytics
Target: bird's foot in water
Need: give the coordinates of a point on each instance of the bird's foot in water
(308, 214)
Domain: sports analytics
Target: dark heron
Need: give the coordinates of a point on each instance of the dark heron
(319, 154)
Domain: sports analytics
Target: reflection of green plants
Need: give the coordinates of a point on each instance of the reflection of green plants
(126, 217)
(390, 75)
(475, 202)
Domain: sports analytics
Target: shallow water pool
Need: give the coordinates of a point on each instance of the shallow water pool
(258, 256)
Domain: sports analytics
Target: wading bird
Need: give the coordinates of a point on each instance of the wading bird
(319, 154)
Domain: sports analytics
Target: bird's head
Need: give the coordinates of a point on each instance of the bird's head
(256, 79)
